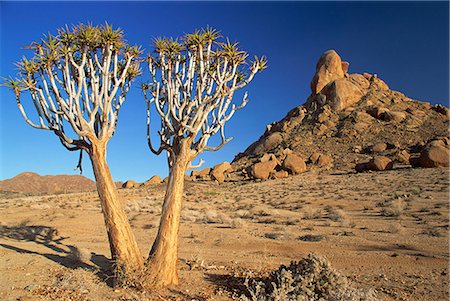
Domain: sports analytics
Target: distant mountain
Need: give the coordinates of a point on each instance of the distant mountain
(345, 116)
(30, 182)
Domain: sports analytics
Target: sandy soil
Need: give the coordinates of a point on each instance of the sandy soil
(387, 231)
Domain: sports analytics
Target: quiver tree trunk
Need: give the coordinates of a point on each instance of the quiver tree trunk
(163, 257)
(124, 249)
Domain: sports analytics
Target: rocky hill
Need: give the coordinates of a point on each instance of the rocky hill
(29, 182)
(346, 120)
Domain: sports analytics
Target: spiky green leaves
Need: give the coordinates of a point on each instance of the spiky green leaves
(70, 45)
(14, 84)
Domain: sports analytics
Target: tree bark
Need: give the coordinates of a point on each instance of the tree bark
(123, 245)
(163, 257)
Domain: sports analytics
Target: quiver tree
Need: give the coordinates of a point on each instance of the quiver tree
(191, 89)
(78, 80)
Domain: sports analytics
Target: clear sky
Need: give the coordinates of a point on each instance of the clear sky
(405, 43)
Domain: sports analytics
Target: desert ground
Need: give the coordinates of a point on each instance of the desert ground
(386, 231)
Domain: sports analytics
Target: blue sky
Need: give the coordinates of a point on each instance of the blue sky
(405, 43)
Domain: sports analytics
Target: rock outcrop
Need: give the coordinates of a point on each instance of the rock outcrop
(349, 117)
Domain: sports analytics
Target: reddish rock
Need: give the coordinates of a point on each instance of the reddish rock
(262, 170)
(377, 112)
(380, 163)
(435, 155)
(218, 171)
(395, 116)
(279, 174)
(341, 94)
(403, 157)
(130, 184)
(379, 147)
(324, 160)
(152, 181)
(328, 69)
(294, 164)
(345, 66)
(273, 140)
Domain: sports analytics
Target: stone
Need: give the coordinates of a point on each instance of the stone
(273, 140)
(279, 174)
(378, 84)
(435, 155)
(380, 163)
(363, 117)
(314, 158)
(153, 181)
(294, 164)
(194, 173)
(218, 171)
(262, 170)
(360, 167)
(328, 69)
(267, 157)
(379, 147)
(345, 66)
(442, 110)
(204, 172)
(359, 80)
(130, 184)
(403, 157)
(395, 116)
(367, 76)
(377, 112)
(324, 160)
(341, 94)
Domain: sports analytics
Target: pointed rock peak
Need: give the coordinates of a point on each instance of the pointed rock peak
(329, 68)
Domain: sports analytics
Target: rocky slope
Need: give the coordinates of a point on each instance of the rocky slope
(29, 182)
(347, 119)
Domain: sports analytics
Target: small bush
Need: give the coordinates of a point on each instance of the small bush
(310, 279)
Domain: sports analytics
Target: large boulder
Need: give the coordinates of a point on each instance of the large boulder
(342, 93)
(294, 164)
(328, 69)
(262, 170)
(218, 171)
(435, 154)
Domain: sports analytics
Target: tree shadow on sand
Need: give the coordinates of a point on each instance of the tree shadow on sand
(68, 256)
